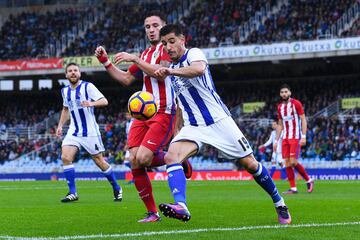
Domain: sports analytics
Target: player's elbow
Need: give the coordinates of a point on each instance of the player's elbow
(127, 81)
(200, 71)
(105, 102)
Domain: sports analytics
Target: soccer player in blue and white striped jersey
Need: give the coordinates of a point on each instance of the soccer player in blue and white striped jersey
(206, 120)
(276, 157)
(79, 100)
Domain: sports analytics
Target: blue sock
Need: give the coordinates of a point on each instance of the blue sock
(263, 178)
(69, 173)
(272, 171)
(110, 175)
(177, 182)
(283, 173)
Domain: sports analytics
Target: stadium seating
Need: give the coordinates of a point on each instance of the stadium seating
(207, 24)
(214, 23)
(328, 139)
(300, 20)
(354, 30)
(38, 31)
(322, 133)
(118, 31)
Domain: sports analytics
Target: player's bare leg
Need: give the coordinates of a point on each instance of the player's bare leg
(109, 174)
(68, 154)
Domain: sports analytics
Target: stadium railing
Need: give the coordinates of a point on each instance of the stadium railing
(346, 20)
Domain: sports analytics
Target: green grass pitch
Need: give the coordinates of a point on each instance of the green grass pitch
(220, 210)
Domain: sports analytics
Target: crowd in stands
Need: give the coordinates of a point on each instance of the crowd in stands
(300, 20)
(11, 149)
(118, 30)
(28, 34)
(24, 110)
(207, 24)
(327, 138)
(354, 30)
(314, 95)
(214, 23)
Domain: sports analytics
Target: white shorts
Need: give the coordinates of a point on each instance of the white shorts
(127, 155)
(92, 145)
(224, 135)
(277, 157)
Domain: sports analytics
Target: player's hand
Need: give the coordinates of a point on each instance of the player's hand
(124, 57)
(101, 54)
(262, 148)
(302, 141)
(162, 72)
(59, 131)
(86, 104)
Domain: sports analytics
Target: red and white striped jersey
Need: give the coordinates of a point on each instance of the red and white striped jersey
(161, 89)
(290, 113)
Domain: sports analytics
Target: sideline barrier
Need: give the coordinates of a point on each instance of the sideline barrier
(221, 175)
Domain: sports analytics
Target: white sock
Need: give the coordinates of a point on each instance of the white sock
(183, 205)
(293, 188)
(280, 203)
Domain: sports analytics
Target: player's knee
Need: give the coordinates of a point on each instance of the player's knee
(249, 163)
(144, 158)
(66, 159)
(251, 166)
(170, 158)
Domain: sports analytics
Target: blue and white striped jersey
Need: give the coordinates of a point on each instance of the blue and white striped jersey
(272, 138)
(82, 119)
(197, 97)
(128, 126)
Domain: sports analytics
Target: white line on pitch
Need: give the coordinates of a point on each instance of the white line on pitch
(199, 230)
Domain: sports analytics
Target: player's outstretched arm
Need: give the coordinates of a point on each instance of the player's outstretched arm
(65, 115)
(102, 102)
(196, 69)
(268, 143)
(125, 78)
(148, 68)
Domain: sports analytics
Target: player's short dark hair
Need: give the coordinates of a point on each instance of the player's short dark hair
(171, 28)
(71, 64)
(157, 14)
(285, 86)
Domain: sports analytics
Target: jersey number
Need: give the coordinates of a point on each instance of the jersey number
(244, 143)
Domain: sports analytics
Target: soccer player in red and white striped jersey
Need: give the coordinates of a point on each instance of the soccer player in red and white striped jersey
(293, 123)
(147, 138)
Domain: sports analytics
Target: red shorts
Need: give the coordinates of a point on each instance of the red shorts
(290, 148)
(154, 134)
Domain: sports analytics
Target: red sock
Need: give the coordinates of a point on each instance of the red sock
(291, 176)
(158, 160)
(300, 168)
(144, 188)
